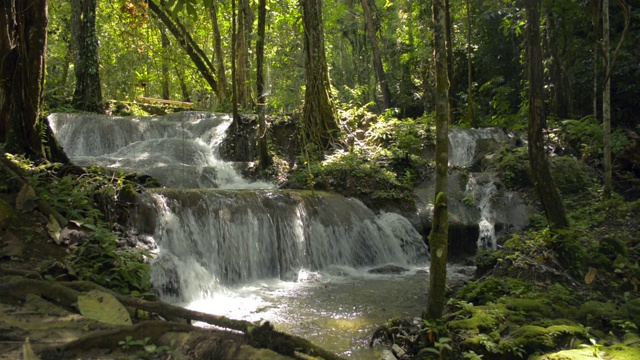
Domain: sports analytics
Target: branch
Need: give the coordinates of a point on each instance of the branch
(626, 12)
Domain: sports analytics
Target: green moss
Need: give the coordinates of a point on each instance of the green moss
(598, 313)
(533, 338)
(537, 307)
(482, 319)
(622, 352)
(6, 214)
(490, 289)
(631, 311)
(569, 174)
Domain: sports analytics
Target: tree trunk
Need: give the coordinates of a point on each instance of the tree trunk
(88, 94)
(595, 21)
(234, 66)
(470, 106)
(377, 59)
(219, 55)
(165, 63)
(439, 236)
(195, 53)
(186, 96)
(449, 43)
(606, 100)
(539, 162)
(241, 54)
(23, 40)
(263, 155)
(319, 123)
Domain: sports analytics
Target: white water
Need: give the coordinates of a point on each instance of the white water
(483, 189)
(181, 150)
(463, 143)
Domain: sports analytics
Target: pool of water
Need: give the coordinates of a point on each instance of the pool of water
(338, 309)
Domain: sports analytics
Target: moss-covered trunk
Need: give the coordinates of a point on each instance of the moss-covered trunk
(439, 237)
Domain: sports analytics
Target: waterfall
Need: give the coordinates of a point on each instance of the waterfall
(463, 143)
(211, 232)
(211, 239)
(181, 150)
(483, 189)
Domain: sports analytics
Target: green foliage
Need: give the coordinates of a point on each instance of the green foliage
(585, 136)
(514, 167)
(103, 261)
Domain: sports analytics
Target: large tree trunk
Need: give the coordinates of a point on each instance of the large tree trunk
(88, 94)
(377, 58)
(539, 162)
(263, 155)
(319, 123)
(23, 40)
(219, 55)
(195, 53)
(439, 236)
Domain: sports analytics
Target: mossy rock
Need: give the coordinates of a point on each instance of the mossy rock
(631, 311)
(569, 174)
(490, 289)
(531, 307)
(483, 319)
(598, 313)
(531, 338)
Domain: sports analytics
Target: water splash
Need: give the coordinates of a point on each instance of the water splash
(483, 189)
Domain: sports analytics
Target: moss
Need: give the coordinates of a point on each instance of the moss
(482, 319)
(533, 338)
(532, 307)
(631, 311)
(598, 313)
(490, 289)
(622, 352)
(569, 174)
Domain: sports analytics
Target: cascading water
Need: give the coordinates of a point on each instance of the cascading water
(297, 258)
(480, 187)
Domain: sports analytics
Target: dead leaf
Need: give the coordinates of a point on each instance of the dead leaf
(53, 228)
(27, 352)
(11, 246)
(26, 200)
(590, 276)
(103, 307)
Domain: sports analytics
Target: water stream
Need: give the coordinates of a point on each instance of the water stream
(299, 259)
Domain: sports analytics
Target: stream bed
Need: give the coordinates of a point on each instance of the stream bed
(337, 309)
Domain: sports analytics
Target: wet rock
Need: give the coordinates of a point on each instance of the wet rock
(388, 269)
(397, 350)
(387, 355)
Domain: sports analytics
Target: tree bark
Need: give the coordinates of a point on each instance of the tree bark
(241, 53)
(439, 236)
(234, 66)
(470, 106)
(263, 155)
(23, 40)
(219, 55)
(538, 159)
(449, 42)
(319, 123)
(195, 53)
(377, 58)
(88, 93)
